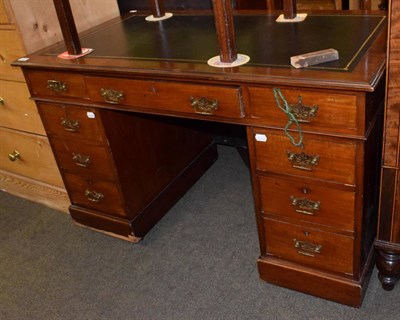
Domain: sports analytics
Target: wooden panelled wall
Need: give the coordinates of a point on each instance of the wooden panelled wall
(27, 26)
(38, 24)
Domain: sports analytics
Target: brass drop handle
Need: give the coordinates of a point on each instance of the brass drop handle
(94, 196)
(14, 155)
(112, 96)
(204, 106)
(81, 160)
(303, 113)
(302, 160)
(70, 124)
(56, 86)
(307, 248)
(305, 206)
(1, 101)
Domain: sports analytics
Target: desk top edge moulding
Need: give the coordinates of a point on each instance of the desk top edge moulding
(314, 134)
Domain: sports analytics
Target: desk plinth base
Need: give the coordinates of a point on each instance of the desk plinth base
(317, 283)
(135, 229)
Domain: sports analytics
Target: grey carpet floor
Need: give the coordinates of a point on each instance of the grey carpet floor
(198, 262)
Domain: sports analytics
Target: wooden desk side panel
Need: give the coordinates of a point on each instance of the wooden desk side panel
(391, 139)
(389, 224)
(394, 100)
(388, 242)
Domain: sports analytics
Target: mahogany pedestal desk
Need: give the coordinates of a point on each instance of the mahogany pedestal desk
(126, 124)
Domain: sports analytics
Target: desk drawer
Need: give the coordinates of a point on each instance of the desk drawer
(17, 111)
(10, 49)
(323, 158)
(3, 14)
(95, 194)
(71, 122)
(56, 84)
(28, 155)
(308, 202)
(208, 100)
(315, 248)
(316, 111)
(83, 159)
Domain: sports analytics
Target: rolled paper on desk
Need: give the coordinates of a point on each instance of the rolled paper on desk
(313, 58)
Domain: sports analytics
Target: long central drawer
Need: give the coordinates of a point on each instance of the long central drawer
(209, 100)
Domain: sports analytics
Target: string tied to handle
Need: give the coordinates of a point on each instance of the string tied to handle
(291, 118)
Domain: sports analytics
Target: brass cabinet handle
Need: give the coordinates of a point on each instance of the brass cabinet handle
(70, 124)
(56, 86)
(14, 155)
(1, 101)
(305, 206)
(94, 196)
(81, 160)
(204, 106)
(111, 95)
(307, 248)
(303, 113)
(302, 161)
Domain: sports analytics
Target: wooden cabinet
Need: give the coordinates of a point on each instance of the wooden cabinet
(388, 239)
(27, 165)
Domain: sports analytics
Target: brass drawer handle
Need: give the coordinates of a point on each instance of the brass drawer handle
(307, 248)
(56, 86)
(303, 113)
(111, 95)
(81, 160)
(94, 196)
(70, 124)
(14, 155)
(305, 206)
(302, 161)
(204, 106)
(1, 101)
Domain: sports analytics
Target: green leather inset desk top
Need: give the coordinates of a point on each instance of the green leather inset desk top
(268, 43)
